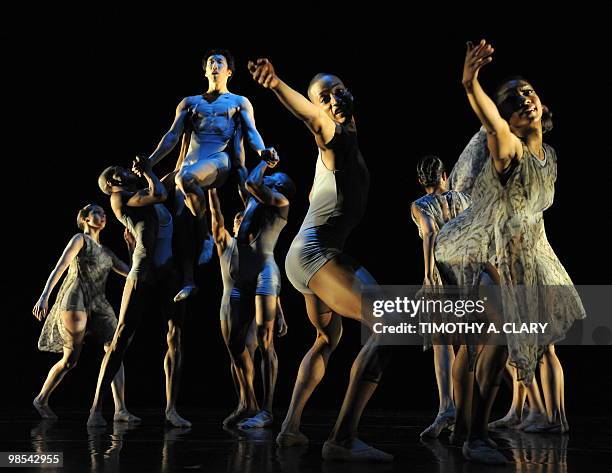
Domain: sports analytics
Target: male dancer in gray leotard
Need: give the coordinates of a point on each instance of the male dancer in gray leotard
(332, 283)
(150, 283)
(218, 119)
(250, 274)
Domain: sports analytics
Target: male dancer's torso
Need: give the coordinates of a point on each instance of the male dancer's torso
(214, 125)
(152, 229)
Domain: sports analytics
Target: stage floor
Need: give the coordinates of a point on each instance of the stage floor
(153, 447)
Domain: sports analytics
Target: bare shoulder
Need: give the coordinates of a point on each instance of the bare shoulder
(77, 240)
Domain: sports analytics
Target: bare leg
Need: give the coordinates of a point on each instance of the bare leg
(75, 323)
(265, 315)
(537, 409)
(489, 370)
(173, 362)
(519, 393)
(463, 383)
(235, 330)
(118, 387)
(339, 285)
(185, 231)
(444, 356)
(551, 375)
(133, 304)
(312, 368)
(193, 182)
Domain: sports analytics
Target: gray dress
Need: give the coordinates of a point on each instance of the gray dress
(505, 226)
(83, 289)
(440, 208)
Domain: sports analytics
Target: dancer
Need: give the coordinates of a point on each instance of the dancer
(316, 265)
(216, 122)
(150, 282)
(500, 240)
(250, 274)
(80, 308)
(430, 213)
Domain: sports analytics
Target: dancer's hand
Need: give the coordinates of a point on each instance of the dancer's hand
(141, 166)
(281, 326)
(129, 240)
(263, 73)
(41, 308)
(270, 156)
(475, 57)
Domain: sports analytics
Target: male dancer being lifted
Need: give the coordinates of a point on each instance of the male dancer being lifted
(217, 121)
(150, 283)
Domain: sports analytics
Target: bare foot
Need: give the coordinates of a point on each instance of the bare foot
(125, 416)
(43, 409)
(534, 418)
(186, 292)
(510, 421)
(239, 414)
(96, 419)
(260, 420)
(291, 439)
(443, 420)
(176, 420)
(354, 451)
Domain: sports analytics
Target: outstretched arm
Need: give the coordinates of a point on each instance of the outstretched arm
(173, 135)
(220, 234)
(72, 249)
(503, 144)
(428, 232)
(317, 122)
(260, 191)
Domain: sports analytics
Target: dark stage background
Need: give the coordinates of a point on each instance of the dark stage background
(78, 101)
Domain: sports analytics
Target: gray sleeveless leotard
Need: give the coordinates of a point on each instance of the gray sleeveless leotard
(152, 229)
(213, 128)
(258, 272)
(228, 261)
(338, 202)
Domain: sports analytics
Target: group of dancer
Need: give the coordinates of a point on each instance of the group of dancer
(481, 227)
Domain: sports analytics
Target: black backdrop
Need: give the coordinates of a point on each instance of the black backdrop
(77, 101)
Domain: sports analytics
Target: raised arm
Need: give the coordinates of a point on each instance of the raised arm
(155, 192)
(220, 234)
(72, 249)
(260, 191)
(173, 135)
(317, 122)
(503, 144)
(428, 232)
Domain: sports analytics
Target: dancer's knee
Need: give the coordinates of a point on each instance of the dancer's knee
(184, 180)
(265, 336)
(173, 337)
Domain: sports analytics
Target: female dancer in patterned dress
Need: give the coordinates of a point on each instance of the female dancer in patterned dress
(500, 239)
(80, 307)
